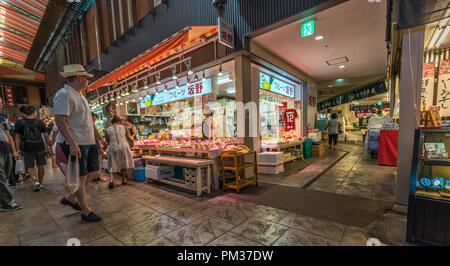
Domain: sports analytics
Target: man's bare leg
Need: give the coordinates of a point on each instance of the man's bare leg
(41, 172)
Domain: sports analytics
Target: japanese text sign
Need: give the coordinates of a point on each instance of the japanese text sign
(9, 96)
(226, 33)
(443, 94)
(269, 83)
(428, 84)
(183, 92)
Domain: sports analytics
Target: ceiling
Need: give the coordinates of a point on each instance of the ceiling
(354, 29)
(19, 22)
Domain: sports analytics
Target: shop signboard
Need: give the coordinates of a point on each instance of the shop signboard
(226, 33)
(443, 94)
(183, 92)
(9, 96)
(355, 95)
(271, 84)
(428, 84)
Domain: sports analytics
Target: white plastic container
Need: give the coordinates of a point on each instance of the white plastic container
(158, 172)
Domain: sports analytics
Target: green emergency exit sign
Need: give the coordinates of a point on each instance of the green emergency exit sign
(307, 28)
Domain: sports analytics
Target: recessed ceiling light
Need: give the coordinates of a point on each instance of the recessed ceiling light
(342, 66)
(319, 37)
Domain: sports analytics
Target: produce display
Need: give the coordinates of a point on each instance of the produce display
(187, 143)
(286, 139)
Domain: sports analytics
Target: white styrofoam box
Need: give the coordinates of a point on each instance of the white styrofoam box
(249, 172)
(270, 157)
(158, 172)
(274, 169)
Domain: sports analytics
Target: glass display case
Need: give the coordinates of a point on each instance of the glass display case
(432, 173)
(429, 200)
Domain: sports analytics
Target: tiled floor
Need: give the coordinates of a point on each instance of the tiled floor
(158, 215)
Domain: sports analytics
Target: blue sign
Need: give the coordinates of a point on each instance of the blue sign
(433, 182)
(183, 92)
(355, 95)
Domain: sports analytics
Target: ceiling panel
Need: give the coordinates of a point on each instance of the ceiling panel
(19, 22)
(354, 29)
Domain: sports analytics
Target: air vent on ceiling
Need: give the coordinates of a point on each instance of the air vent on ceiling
(337, 61)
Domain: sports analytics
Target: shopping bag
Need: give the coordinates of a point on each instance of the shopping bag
(20, 167)
(73, 174)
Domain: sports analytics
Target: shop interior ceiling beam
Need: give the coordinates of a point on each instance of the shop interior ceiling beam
(415, 13)
(58, 16)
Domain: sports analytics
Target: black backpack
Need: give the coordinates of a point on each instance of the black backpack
(32, 136)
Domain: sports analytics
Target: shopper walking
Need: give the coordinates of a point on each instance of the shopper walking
(30, 144)
(7, 147)
(119, 153)
(14, 179)
(333, 127)
(77, 135)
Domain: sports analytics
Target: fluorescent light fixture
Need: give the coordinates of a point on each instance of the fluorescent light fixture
(319, 37)
(342, 66)
(447, 29)
(224, 79)
(231, 90)
(340, 80)
(435, 36)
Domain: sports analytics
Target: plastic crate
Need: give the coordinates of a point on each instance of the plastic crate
(139, 173)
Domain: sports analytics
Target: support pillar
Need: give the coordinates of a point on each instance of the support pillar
(412, 59)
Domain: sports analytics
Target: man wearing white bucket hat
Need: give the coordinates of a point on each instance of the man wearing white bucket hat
(77, 135)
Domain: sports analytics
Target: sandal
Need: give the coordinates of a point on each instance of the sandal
(124, 183)
(111, 185)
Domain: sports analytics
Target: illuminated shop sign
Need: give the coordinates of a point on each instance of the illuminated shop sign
(271, 84)
(183, 92)
(433, 182)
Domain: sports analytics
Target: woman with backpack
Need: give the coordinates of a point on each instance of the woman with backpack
(30, 144)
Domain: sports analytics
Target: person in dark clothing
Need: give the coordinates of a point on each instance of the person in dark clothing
(29, 133)
(13, 178)
(7, 202)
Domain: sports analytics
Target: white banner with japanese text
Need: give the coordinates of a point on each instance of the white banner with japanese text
(428, 84)
(443, 94)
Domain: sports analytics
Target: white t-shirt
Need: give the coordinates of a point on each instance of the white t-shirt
(71, 103)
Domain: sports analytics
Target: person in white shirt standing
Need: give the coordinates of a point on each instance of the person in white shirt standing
(77, 137)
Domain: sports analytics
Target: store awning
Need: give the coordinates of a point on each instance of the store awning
(157, 53)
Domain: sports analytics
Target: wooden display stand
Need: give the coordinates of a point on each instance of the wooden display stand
(186, 162)
(239, 164)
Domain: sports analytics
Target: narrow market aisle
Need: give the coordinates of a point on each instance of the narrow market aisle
(152, 214)
(357, 174)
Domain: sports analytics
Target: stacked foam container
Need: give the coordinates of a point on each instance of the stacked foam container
(190, 177)
(270, 163)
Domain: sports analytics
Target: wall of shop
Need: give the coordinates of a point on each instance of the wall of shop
(310, 110)
(119, 42)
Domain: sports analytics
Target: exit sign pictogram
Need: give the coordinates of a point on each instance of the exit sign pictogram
(307, 28)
